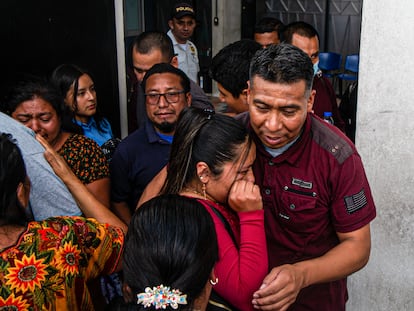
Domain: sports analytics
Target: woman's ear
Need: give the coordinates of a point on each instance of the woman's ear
(203, 172)
(23, 192)
(213, 278)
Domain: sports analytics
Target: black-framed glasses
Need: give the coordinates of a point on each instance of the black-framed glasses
(170, 97)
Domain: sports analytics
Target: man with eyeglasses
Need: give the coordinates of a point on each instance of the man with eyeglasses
(182, 24)
(147, 49)
(141, 155)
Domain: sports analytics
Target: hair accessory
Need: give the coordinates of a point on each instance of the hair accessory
(209, 112)
(161, 297)
(214, 282)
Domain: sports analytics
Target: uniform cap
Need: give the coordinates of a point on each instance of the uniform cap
(182, 9)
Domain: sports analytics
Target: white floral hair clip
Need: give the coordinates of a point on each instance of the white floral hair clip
(161, 297)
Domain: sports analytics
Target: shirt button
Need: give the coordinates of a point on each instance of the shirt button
(271, 163)
(292, 206)
(267, 191)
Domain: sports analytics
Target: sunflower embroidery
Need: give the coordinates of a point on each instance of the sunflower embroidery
(27, 273)
(68, 258)
(13, 303)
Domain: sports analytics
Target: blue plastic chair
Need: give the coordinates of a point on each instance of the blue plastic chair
(330, 63)
(350, 70)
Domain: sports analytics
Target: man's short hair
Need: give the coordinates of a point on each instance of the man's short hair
(167, 68)
(230, 66)
(282, 63)
(300, 28)
(268, 24)
(149, 41)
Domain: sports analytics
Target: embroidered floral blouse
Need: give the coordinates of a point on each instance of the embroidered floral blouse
(48, 267)
(85, 158)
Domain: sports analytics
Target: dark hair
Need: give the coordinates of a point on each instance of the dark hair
(230, 66)
(282, 63)
(62, 78)
(149, 41)
(167, 68)
(268, 24)
(12, 173)
(171, 241)
(201, 135)
(31, 87)
(300, 28)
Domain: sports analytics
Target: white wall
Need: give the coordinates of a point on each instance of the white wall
(385, 130)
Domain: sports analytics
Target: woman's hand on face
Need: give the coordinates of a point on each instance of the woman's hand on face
(245, 196)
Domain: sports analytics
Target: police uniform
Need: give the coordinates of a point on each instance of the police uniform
(187, 57)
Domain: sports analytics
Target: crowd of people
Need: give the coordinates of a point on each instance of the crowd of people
(263, 207)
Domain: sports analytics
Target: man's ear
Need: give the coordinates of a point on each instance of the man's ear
(170, 24)
(311, 99)
(174, 61)
(244, 94)
(248, 90)
(188, 99)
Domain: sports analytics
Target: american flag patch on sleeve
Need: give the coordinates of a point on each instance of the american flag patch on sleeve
(355, 202)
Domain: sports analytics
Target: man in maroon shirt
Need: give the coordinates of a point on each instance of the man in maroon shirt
(305, 37)
(317, 200)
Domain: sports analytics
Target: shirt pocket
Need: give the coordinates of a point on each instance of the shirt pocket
(298, 210)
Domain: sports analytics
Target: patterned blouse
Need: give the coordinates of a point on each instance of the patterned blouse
(48, 267)
(85, 158)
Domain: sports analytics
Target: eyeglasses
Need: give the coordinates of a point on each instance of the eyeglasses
(170, 97)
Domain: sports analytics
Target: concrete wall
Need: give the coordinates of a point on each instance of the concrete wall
(228, 29)
(385, 130)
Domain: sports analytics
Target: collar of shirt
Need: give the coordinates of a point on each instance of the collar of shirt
(86, 126)
(152, 134)
(279, 151)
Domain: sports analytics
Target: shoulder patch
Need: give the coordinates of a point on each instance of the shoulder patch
(355, 202)
(336, 145)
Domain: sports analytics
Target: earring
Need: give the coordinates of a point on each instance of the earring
(214, 282)
(204, 191)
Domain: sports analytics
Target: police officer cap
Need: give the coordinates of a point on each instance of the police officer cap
(182, 9)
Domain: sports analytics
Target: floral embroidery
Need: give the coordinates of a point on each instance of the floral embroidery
(13, 303)
(27, 273)
(50, 264)
(69, 258)
(85, 158)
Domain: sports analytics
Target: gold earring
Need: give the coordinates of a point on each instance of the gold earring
(204, 191)
(214, 282)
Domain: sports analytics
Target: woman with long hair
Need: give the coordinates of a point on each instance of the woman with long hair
(211, 160)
